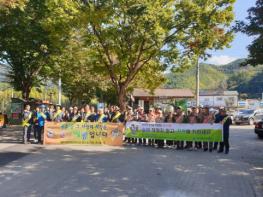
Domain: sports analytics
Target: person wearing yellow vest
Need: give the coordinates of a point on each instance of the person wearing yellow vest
(41, 118)
(101, 117)
(116, 116)
(58, 115)
(27, 124)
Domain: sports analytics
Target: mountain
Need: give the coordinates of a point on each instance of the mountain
(247, 80)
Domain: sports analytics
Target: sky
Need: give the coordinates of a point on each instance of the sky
(238, 47)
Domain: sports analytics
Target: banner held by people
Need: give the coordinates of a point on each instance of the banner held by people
(173, 131)
(83, 133)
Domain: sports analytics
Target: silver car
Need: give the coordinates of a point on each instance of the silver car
(246, 116)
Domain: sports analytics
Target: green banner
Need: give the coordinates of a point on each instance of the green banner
(172, 131)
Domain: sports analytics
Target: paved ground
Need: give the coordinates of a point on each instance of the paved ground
(94, 171)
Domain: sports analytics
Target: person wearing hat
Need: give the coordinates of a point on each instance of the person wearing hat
(41, 118)
(27, 124)
(226, 121)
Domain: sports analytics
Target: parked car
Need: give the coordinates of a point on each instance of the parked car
(247, 116)
(259, 125)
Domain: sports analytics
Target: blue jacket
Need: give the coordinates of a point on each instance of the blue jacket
(41, 117)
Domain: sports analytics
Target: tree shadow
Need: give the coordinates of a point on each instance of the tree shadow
(132, 171)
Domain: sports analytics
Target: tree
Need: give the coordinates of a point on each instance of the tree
(29, 37)
(5, 5)
(131, 38)
(254, 28)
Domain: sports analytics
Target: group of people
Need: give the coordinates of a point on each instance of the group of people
(192, 115)
(35, 120)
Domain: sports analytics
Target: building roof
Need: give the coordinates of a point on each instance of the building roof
(218, 93)
(162, 92)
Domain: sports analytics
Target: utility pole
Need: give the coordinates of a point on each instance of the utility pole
(197, 82)
(59, 91)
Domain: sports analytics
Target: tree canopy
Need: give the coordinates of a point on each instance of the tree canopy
(29, 37)
(254, 28)
(120, 43)
(129, 37)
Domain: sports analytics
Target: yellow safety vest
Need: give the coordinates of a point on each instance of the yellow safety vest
(57, 114)
(116, 116)
(25, 123)
(101, 118)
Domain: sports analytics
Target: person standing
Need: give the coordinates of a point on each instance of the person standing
(101, 117)
(58, 115)
(179, 118)
(226, 121)
(151, 117)
(41, 118)
(86, 113)
(75, 117)
(192, 119)
(159, 119)
(27, 124)
(207, 118)
(170, 118)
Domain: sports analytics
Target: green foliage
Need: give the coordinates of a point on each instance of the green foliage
(247, 80)
(210, 78)
(29, 37)
(254, 28)
(138, 37)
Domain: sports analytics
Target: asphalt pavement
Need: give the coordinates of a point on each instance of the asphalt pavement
(130, 171)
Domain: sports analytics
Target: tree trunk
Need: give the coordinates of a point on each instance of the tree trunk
(122, 98)
(26, 92)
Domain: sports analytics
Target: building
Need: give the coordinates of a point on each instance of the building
(160, 96)
(218, 98)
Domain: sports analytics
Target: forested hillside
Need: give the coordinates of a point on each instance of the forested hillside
(247, 80)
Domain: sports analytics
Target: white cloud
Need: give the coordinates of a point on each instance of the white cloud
(221, 59)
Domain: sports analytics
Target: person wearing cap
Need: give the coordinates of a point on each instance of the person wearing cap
(226, 121)
(41, 118)
(180, 118)
(27, 122)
